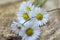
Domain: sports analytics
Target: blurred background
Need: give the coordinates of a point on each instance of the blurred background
(8, 10)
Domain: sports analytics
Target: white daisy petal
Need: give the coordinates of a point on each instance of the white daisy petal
(19, 14)
(32, 14)
(20, 20)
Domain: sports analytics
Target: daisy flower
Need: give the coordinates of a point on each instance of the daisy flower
(26, 6)
(17, 28)
(40, 16)
(31, 31)
(22, 17)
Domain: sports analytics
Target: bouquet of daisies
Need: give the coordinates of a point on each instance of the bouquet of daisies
(30, 19)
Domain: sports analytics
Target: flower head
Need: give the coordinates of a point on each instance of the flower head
(26, 6)
(39, 16)
(17, 28)
(22, 16)
(31, 31)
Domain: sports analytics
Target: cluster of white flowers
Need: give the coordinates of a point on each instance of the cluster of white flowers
(29, 19)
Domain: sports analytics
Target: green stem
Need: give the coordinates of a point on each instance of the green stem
(53, 10)
(26, 21)
(42, 4)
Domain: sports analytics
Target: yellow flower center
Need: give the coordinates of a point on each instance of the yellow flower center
(18, 27)
(29, 32)
(27, 9)
(25, 16)
(39, 16)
